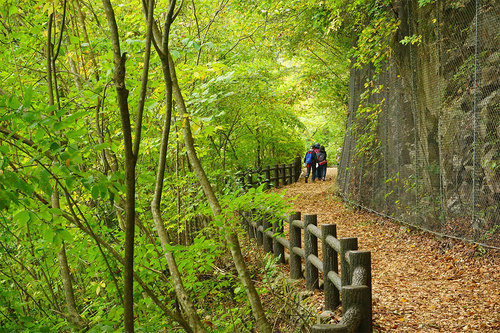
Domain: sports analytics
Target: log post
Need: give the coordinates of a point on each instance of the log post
(268, 241)
(279, 249)
(297, 168)
(244, 221)
(253, 230)
(360, 263)
(330, 264)
(327, 328)
(283, 174)
(311, 248)
(277, 175)
(295, 241)
(290, 173)
(346, 244)
(249, 181)
(354, 308)
(241, 177)
(259, 233)
(267, 173)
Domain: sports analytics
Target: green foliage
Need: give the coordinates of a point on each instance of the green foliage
(411, 40)
(258, 89)
(423, 3)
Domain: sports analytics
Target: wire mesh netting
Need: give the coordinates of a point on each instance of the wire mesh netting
(435, 163)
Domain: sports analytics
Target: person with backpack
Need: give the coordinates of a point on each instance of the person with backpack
(310, 160)
(316, 149)
(322, 163)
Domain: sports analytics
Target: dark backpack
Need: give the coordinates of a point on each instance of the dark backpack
(321, 157)
(309, 157)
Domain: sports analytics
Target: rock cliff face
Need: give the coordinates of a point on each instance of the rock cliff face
(437, 165)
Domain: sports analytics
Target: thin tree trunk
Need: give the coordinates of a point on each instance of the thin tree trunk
(81, 17)
(73, 315)
(231, 237)
(182, 295)
(130, 161)
(100, 242)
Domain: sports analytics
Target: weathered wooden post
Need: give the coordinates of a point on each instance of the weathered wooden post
(346, 244)
(327, 328)
(268, 241)
(277, 175)
(295, 241)
(311, 248)
(283, 174)
(249, 180)
(267, 173)
(251, 218)
(353, 308)
(297, 167)
(244, 221)
(290, 173)
(258, 231)
(279, 249)
(330, 264)
(361, 275)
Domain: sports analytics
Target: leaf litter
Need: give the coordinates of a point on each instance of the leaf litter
(421, 282)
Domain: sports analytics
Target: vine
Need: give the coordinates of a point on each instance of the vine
(372, 51)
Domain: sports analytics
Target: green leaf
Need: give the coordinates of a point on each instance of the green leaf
(101, 146)
(22, 217)
(175, 54)
(28, 95)
(48, 234)
(65, 235)
(13, 10)
(56, 211)
(70, 182)
(76, 134)
(95, 192)
(13, 102)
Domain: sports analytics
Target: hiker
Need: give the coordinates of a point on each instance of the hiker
(310, 160)
(316, 149)
(322, 163)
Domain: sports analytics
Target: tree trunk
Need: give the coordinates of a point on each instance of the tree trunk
(130, 159)
(230, 236)
(182, 295)
(73, 314)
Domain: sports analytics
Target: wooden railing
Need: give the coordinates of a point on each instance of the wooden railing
(275, 176)
(352, 285)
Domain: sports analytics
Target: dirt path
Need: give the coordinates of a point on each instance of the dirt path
(421, 283)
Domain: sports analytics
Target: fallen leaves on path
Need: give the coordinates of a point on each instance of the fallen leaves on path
(421, 283)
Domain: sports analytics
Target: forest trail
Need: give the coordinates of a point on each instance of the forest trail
(421, 283)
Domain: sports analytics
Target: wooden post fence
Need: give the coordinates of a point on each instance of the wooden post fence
(284, 174)
(353, 285)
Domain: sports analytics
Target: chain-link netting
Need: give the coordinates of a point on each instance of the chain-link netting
(435, 159)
